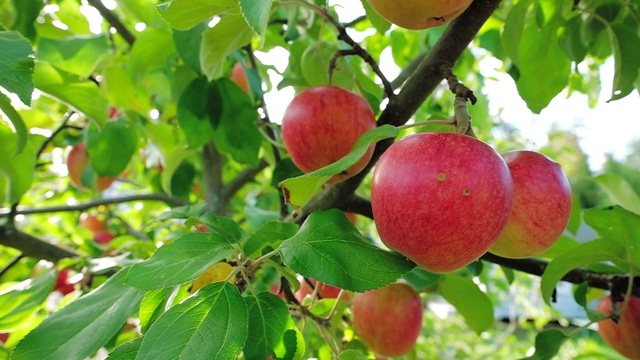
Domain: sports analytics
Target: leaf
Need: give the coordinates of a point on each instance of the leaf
(83, 326)
(228, 35)
(20, 301)
(183, 212)
(75, 54)
(315, 64)
(122, 92)
(351, 354)
(619, 191)
(548, 344)
(185, 14)
(16, 171)
(378, 22)
(111, 148)
(212, 324)
(16, 65)
(513, 28)
(269, 234)
(571, 39)
(473, 304)
(21, 130)
(588, 253)
(152, 306)
(82, 95)
(330, 249)
(626, 53)
(298, 190)
(615, 224)
(575, 219)
(188, 45)
(580, 295)
(257, 13)
(26, 12)
(224, 226)
(180, 261)
(269, 323)
(420, 278)
(126, 351)
(195, 111)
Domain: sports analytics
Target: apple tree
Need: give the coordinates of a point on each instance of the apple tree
(153, 206)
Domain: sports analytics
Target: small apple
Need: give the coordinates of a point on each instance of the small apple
(62, 283)
(239, 77)
(77, 161)
(416, 15)
(321, 125)
(103, 237)
(92, 222)
(4, 337)
(217, 272)
(623, 336)
(388, 320)
(441, 199)
(541, 205)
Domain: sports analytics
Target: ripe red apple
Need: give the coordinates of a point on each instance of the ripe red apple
(422, 14)
(541, 205)
(624, 336)
(103, 236)
(441, 199)
(77, 161)
(322, 124)
(62, 283)
(4, 337)
(239, 77)
(388, 320)
(92, 222)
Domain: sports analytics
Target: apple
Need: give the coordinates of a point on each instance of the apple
(92, 222)
(417, 15)
(541, 205)
(62, 283)
(623, 336)
(321, 125)
(216, 272)
(239, 77)
(388, 320)
(441, 199)
(77, 161)
(4, 337)
(103, 236)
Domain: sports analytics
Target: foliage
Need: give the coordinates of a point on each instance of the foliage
(201, 172)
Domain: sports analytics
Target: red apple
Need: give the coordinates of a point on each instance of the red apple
(103, 236)
(92, 222)
(541, 205)
(62, 283)
(322, 124)
(624, 336)
(388, 320)
(422, 14)
(4, 337)
(77, 161)
(441, 199)
(239, 77)
(331, 292)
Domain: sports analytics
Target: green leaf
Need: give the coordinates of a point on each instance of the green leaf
(211, 324)
(571, 39)
(224, 226)
(298, 190)
(188, 45)
(152, 306)
(26, 13)
(626, 53)
(619, 191)
(315, 64)
(126, 351)
(330, 249)
(615, 224)
(575, 218)
(473, 304)
(588, 253)
(75, 54)
(580, 295)
(180, 261)
(82, 95)
(269, 234)
(269, 325)
(121, 90)
(183, 212)
(16, 171)
(111, 148)
(351, 354)
(83, 326)
(17, 122)
(153, 50)
(378, 22)
(420, 278)
(218, 42)
(513, 28)
(548, 344)
(257, 13)
(20, 301)
(16, 65)
(195, 111)
(185, 14)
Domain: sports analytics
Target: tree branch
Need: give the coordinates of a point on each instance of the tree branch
(239, 181)
(212, 179)
(33, 247)
(169, 200)
(113, 21)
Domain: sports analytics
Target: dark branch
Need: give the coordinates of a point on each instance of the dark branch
(33, 247)
(239, 181)
(114, 21)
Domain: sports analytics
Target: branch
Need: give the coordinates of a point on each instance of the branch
(241, 179)
(113, 21)
(169, 200)
(33, 247)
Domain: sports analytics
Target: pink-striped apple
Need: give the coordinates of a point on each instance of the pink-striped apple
(239, 77)
(541, 205)
(388, 320)
(416, 15)
(625, 335)
(441, 199)
(77, 161)
(321, 125)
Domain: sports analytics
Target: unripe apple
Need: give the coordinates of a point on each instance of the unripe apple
(624, 336)
(441, 199)
(322, 124)
(239, 77)
(419, 14)
(541, 205)
(217, 272)
(388, 320)
(77, 161)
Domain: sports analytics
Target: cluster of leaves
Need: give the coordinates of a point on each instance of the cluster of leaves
(169, 79)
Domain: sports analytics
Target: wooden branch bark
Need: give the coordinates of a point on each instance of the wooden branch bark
(114, 21)
(32, 246)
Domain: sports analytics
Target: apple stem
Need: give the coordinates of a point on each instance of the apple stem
(463, 93)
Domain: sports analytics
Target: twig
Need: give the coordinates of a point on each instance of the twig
(463, 93)
(62, 126)
(241, 179)
(11, 264)
(114, 21)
